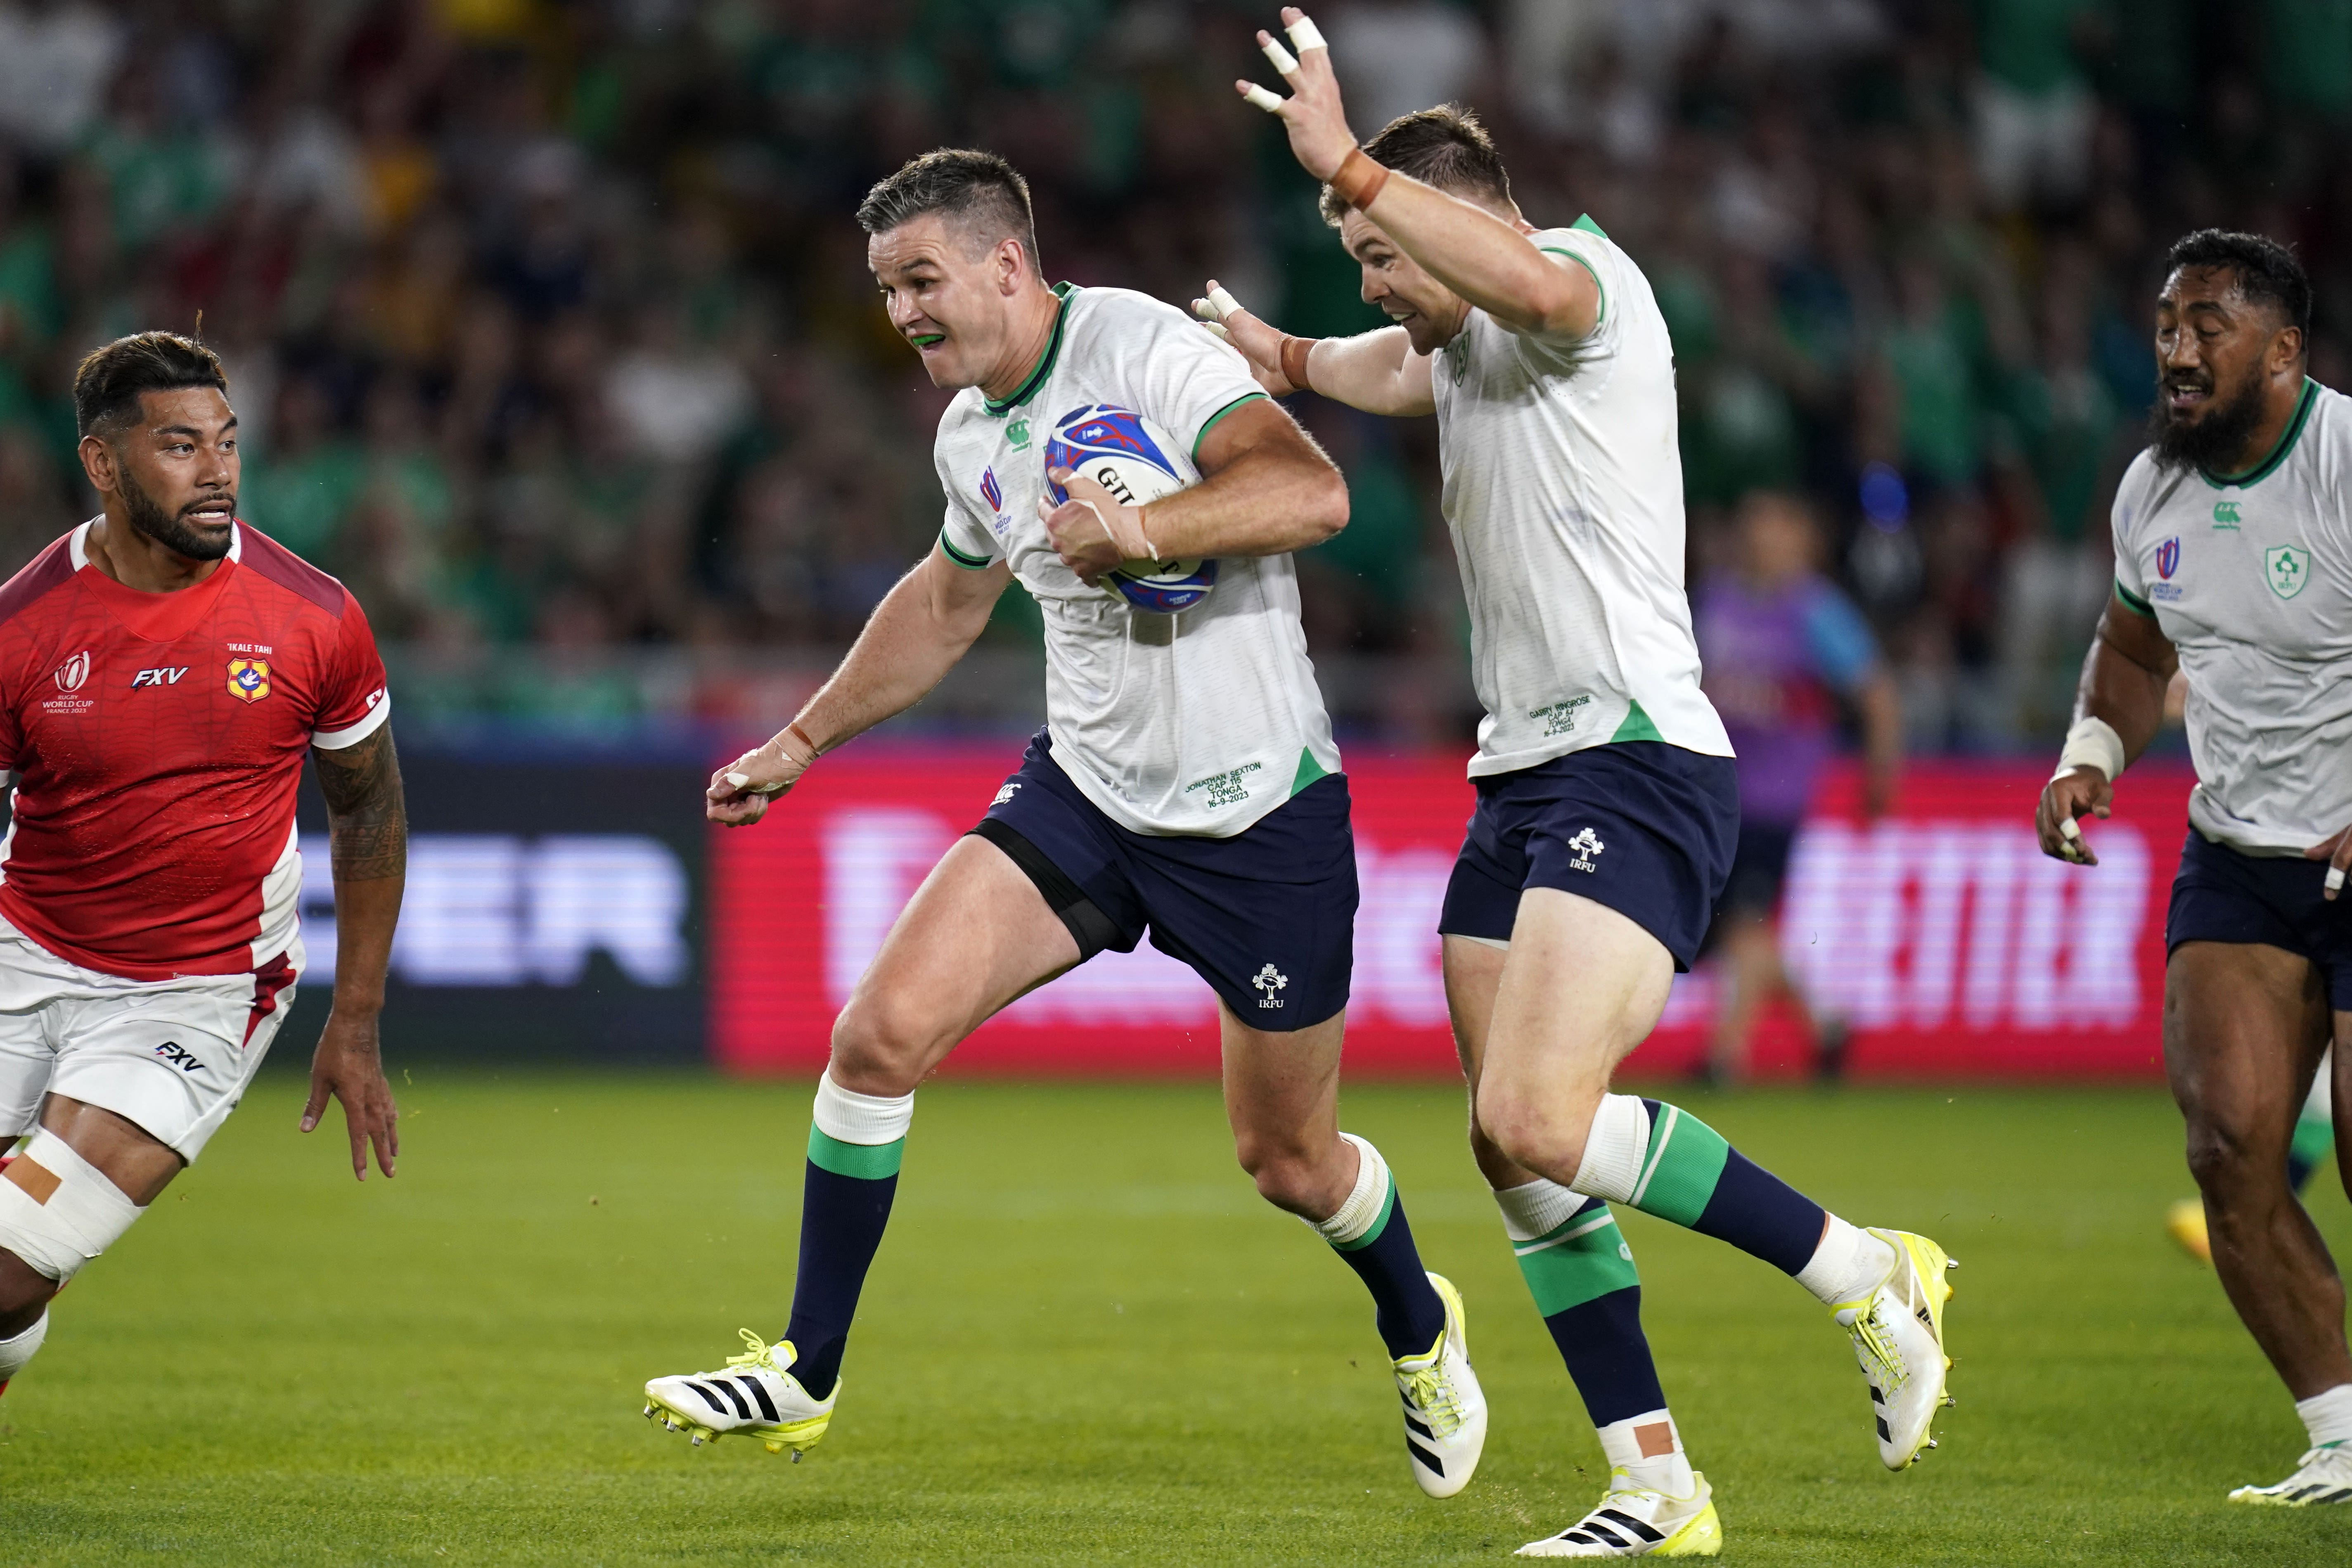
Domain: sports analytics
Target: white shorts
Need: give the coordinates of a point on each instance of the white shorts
(171, 1056)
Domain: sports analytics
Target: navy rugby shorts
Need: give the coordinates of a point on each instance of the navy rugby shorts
(2222, 894)
(1644, 827)
(1266, 917)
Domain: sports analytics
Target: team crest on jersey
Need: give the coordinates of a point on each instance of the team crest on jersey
(73, 672)
(249, 678)
(2287, 568)
(2167, 558)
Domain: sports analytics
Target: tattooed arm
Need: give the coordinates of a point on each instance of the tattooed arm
(367, 836)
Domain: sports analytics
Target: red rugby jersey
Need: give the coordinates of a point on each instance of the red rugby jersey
(160, 739)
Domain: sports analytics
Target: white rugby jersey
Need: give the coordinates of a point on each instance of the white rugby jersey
(1198, 722)
(2251, 578)
(1563, 491)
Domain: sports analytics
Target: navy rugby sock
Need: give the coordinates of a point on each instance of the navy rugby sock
(855, 1148)
(1370, 1234)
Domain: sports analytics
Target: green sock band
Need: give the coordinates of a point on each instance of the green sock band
(866, 1161)
(1680, 1168)
(1584, 1257)
(1388, 1208)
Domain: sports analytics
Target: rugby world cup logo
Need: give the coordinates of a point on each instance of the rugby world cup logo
(2167, 558)
(73, 672)
(990, 491)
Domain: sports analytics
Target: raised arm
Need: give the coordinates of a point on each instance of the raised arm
(1265, 489)
(1480, 255)
(2118, 707)
(1377, 372)
(913, 638)
(367, 847)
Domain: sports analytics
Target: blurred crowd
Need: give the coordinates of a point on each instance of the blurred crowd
(550, 326)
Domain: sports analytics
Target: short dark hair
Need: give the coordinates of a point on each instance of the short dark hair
(1447, 147)
(2266, 271)
(110, 379)
(976, 189)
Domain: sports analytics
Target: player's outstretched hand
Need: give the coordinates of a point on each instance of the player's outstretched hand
(1259, 344)
(1092, 532)
(349, 1065)
(2085, 791)
(739, 791)
(1312, 114)
(2337, 852)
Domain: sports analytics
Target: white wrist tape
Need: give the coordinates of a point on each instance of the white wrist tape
(1366, 1199)
(2093, 742)
(58, 1211)
(1612, 1167)
(849, 1116)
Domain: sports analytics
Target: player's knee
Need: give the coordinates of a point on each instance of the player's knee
(58, 1211)
(882, 1045)
(1534, 1130)
(2229, 1158)
(1288, 1175)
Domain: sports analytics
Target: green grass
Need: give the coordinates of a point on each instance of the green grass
(1087, 1341)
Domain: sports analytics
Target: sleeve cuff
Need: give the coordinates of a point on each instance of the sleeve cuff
(1212, 422)
(353, 734)
(968, 563)
(2133, 602)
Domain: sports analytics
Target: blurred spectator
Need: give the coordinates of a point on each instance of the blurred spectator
(1783, 649)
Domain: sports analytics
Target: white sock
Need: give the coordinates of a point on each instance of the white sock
(1536, 1209)
(15, 1352)
(1612, 1167)
(1665, 1467)
(2327, 1416)
(869, 1118)
(1847, 1265)
(1366, 1202)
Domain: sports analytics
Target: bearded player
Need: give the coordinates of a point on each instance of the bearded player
(162, 671)
(1607, 808)
(2233, 564)
(1185, 781)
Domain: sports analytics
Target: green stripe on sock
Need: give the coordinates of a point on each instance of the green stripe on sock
(1683, 1162)
(1585, 1258)
(1388, 1208)
(866, 1161)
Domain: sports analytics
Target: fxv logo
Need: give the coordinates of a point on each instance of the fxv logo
(180, 1057)
(165, 677)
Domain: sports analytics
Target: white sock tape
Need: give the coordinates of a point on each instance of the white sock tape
(1613, 1149)
(849, 1116)
(15, 1352)
(1365, 1199)
(1537, 1209)
(58, 1211)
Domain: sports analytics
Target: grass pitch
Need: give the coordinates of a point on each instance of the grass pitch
(1086, 1342)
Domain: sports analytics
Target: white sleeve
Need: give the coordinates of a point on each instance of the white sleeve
(2131, 582)
(1596, 254)
(1178, 375)
(967, 541)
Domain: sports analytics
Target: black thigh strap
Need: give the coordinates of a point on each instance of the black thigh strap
(1089, 926)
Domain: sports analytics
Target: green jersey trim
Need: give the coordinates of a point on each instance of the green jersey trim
(1045, 367)
(865, 1161)
(1602, 314)
(2278, 453)
(1636, 727)
(968, 563)
(1220, 414)
(1584, 221)
(2133, 602)
(1309, 770)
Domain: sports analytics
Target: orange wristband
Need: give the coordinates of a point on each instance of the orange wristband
(1359, 179)
(1294, 360)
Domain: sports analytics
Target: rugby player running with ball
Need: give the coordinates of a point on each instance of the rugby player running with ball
(162, 671)
(1607, 808)
(2233, 564)
(1186, 780)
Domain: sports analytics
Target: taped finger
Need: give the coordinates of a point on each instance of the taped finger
(1271, 102)
(1225, 304)
(1222, 334)
(1305, 35)
(2071, 828)
(2335, 879)
(1283, 61)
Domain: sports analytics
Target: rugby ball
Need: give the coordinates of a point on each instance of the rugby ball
(1129, 455)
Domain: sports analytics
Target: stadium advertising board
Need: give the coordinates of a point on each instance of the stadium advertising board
(1950, 942)
(552, 911)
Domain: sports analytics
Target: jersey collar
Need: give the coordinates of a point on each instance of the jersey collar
(2286, 440)
(1044, 367)
(78, 545)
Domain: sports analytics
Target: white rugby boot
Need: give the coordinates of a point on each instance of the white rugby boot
(2323, 1475)
(1899, 1339)
(1639, 1521)
(1444, 1409)
(756, 1397)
